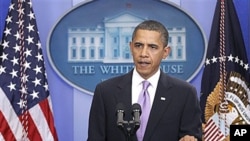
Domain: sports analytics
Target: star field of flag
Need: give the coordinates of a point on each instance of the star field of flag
(35, 88)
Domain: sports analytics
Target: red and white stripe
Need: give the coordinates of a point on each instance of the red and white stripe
(212, 132)
(40, 119)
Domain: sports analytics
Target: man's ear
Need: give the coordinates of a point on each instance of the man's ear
(130, 47)
(167, 50)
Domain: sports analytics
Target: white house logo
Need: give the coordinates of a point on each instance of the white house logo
(88, 45)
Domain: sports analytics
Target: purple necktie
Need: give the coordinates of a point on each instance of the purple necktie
(144, 101)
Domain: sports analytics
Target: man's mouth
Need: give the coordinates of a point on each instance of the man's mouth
(143, 63)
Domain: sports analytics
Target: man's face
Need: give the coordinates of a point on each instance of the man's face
(148, 50)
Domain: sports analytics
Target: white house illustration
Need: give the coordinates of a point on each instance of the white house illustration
(109, 42)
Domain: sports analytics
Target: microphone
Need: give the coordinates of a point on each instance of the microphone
(120, 114)
(136, 112)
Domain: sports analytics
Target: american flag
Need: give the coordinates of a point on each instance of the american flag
(225, 76)
(212, 131)
(25, 104)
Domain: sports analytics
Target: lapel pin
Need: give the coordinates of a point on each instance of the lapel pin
(163, 98)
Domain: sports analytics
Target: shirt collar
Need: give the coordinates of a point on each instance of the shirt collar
(137, 79)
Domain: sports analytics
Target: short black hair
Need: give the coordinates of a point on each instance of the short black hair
(153, 26)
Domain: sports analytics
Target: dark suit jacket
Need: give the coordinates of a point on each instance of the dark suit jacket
(170, 119)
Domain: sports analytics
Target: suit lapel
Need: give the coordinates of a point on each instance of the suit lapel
(123, 94)
(160, 105)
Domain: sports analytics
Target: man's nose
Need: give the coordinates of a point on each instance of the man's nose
(144, 51)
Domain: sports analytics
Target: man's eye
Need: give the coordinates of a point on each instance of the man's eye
(153, 47)
(138, 45)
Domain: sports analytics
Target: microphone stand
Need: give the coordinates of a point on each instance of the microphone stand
(129, 129)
